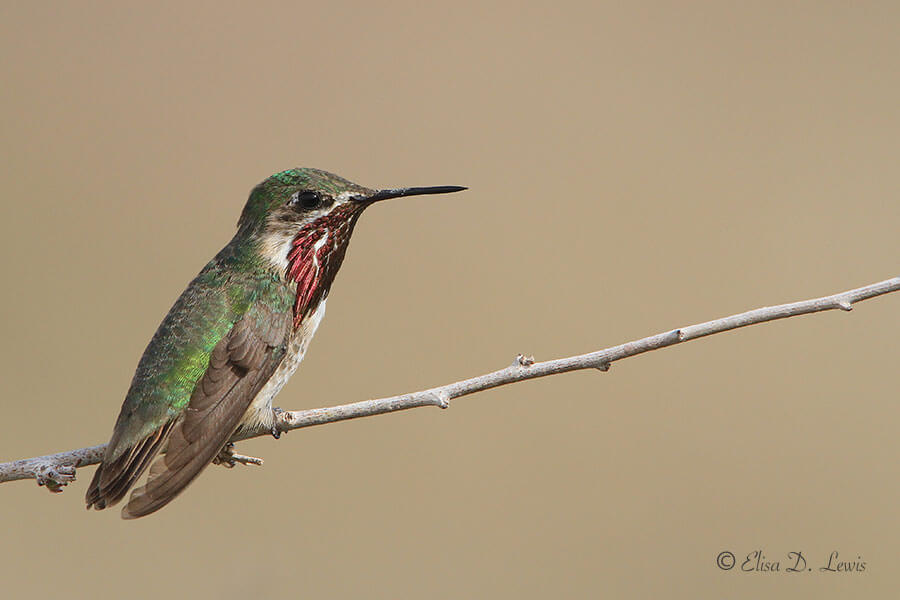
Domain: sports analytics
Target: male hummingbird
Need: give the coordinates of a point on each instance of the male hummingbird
(234, 336)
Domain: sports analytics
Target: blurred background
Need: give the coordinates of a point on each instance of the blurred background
(633, 167)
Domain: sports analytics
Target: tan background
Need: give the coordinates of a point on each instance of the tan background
(632, 168)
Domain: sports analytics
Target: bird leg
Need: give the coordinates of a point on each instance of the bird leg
(228, 458)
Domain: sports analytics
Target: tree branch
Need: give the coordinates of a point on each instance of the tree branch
(57, 470)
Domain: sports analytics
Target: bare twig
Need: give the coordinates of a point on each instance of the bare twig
(57, 470)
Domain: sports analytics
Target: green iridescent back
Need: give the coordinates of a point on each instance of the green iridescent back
(232, 284)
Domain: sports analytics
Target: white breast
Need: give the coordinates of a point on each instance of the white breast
(260, 411)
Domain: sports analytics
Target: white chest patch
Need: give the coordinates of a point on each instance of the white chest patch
(260, 411)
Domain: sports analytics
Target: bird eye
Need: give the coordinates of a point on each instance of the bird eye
(307, 199)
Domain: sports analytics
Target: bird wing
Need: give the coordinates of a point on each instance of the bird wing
(239, 366)
(217, 386)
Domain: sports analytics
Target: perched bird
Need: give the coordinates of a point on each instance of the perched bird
(234, 337)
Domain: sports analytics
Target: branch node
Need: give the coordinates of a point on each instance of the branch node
(523, 361)
(679, 334)
(604, 366)
(55, 477)
(844, 304)
(443, 399)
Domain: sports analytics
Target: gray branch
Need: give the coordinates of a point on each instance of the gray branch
(57, 470)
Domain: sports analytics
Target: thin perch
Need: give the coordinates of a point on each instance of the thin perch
(56, 470)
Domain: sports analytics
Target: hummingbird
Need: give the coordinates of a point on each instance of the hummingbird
(234, 337)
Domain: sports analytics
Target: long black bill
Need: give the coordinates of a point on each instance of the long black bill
(413, 191)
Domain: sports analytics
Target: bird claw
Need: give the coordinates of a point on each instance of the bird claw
(276, 412)
(228, 458)
(55, 477)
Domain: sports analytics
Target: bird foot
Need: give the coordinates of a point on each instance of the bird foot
(228, 458)
(276, 418)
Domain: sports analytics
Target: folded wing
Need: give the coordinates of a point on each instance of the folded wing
(239, 366)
